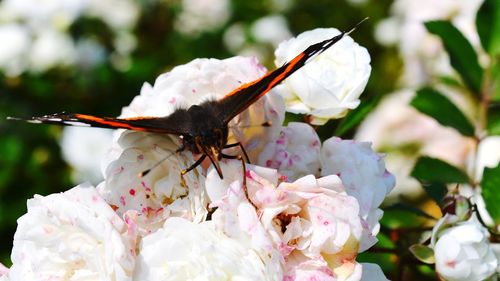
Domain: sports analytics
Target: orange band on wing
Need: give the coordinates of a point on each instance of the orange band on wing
(274, 82)
(112, 123)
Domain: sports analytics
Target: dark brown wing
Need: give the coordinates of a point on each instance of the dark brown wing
(244, 96)
(172, 124)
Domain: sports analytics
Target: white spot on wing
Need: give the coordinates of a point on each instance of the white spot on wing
(75, 123)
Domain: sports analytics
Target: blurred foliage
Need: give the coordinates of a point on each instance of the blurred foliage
(30, 158)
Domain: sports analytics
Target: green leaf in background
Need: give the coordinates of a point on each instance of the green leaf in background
(488, 26)
(402, 207)
(355, 117)
(429, 169)
(490, 184)
(439, 107)
(493, 125)
(423, 253)
(436, 190)
(495, 73)
(463, 58)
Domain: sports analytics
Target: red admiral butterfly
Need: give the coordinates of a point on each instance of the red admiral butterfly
(203, 128)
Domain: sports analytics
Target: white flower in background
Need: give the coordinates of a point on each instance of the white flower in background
(268, 30)
(199, 16)
(73, 235)
(423, 54)
(398, 129)
(161, 193)
(118, 14)
(488, 155)
(183, 250)
(83, 149)
(15, 40)
(364, 176)
(90, 53)
(295, 153)
(41, 14)
(51, 48)
(208, 79)
(329, 85)
(271, 29)
(462, 251)
(234, 37)
(42, 40)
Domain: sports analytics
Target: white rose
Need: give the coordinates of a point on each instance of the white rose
(83, 149)
(300, 268)
(52, 48)
(208, 79)
(404, 134)
(462, 251)
(163, 192)
(16, 41)
(364, 176)
(271, 29)
(313, 223)
(331, 83)
(488, 155)
(295, 153)
(423, 54)
(73, 235)
(199, 16)
(183, 250)
(118, 14)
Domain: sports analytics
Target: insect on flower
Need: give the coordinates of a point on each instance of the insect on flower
(203, 128)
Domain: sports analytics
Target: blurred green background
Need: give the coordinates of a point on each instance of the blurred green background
(30, 157)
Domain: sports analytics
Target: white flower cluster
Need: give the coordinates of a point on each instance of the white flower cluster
(395, 126)
(35, 34)
(462, 250)
(422, 53)
(311, 206)
(199, 16)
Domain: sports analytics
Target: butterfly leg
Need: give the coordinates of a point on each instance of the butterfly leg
(243, 165)
(242, 149)
(195, 164)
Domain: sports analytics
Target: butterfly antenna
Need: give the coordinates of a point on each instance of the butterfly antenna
(356, 26)
(146, 172)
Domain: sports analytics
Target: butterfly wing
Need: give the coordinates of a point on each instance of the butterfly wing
(172, 124)
(244, 96)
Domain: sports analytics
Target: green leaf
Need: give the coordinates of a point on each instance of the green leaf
(493, 125)
(429, 169)
(423, 253)
(490, 185)
(488, 26)
(437, 191)
(439, 107)
(401, 207)
(463, 58)
(355, 117)
(495, 73)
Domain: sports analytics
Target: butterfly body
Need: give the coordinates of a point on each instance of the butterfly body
(207, 135)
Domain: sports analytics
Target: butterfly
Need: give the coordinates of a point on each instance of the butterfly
(203, 128)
